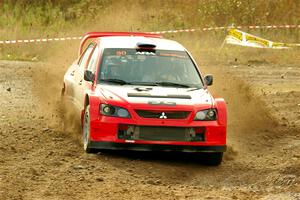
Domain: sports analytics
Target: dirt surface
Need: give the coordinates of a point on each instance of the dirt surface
(39, 159)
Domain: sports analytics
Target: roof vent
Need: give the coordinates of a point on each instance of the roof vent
(145, 45)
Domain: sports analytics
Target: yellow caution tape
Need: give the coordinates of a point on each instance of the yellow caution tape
(237, 37)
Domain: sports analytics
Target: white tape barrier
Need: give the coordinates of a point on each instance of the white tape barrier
(156, 32)
(38, 40)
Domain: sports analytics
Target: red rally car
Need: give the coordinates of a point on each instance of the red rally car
(138, 91)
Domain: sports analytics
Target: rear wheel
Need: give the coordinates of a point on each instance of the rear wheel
(86, 131)
(213, 159)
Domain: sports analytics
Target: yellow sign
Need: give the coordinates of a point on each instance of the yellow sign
(237, 37)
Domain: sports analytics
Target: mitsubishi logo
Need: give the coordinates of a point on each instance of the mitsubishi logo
(163, 116)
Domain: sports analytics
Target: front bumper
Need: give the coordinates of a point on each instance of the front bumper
(155, 147)
(104, 135)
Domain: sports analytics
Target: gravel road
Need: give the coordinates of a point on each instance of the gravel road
(41, 159)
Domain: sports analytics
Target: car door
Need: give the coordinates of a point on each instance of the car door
(68, 88)
(87, 85)
(78, 76)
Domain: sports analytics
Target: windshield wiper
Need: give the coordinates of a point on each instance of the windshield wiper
(122, 82)
(172, 84)
(144, 83)
(118, 81)
(194, 88)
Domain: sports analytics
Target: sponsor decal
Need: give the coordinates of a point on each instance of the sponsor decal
(148, 53)
(166, 103)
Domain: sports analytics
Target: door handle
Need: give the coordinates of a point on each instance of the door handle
(80, 82)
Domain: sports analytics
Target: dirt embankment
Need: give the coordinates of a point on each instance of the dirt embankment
(39, 160)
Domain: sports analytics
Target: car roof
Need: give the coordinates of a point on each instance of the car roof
(132, 41)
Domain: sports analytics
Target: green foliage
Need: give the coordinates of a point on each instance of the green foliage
(205, 13)
(56, 16)
(249, 12)
(22, 19)
(26, 17)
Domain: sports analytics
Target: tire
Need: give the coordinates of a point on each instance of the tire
(213, 159)
(86, 131)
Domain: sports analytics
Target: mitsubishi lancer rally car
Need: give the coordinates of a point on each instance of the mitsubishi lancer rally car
(138, 91)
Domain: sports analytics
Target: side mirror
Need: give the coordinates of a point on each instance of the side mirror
(88, 75)
(208, 79)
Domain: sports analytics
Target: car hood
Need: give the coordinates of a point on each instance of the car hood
(155, 94)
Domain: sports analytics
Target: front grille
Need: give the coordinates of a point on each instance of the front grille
(159, 114)
(158, 133)
(162, 133)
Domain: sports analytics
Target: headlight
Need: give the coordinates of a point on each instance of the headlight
(113, 111)
(206, 115)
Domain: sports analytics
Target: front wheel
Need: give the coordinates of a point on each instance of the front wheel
(213, 159)
(86, 131)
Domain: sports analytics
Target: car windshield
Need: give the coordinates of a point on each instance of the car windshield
(152, 67)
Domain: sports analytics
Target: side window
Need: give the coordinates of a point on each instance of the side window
(93, 61)
(85, 56)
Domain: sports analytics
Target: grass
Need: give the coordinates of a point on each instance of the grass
(21, 18)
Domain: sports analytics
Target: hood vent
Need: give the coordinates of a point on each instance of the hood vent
(140, 89)
(169, 96)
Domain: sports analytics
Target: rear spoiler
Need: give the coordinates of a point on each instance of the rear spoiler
(92, 35)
